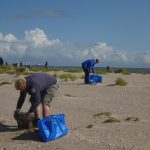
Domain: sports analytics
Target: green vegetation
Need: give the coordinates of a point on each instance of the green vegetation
(68, 76)
(3, 83)
(123, 71)
(111, 120)
(108, 114)
(73, 70)
(43, 69)
(120, 81)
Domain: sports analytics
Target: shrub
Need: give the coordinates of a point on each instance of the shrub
(120, 81)
(123, 71)
(101, 71)
(68, 76)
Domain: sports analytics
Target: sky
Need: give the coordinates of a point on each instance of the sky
(67, 32)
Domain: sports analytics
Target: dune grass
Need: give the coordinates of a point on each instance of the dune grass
(121, 82)
(123, 71)
(111, 120)
(107, 116)
(4, 82)
(67, 76)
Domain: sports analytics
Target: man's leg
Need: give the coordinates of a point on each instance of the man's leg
(50, 93)
(87, 77)
(37, 112)
(46, 110)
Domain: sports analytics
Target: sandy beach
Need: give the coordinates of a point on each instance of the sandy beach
(83, 105)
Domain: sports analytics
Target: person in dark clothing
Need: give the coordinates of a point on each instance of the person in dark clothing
(1, 61)
(41, 87)
(46, 64)
(88, 67)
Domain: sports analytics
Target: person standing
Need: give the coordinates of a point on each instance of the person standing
(1, 61)
(88, 67)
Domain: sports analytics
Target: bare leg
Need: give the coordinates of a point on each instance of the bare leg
(46, 110)
(37, 112)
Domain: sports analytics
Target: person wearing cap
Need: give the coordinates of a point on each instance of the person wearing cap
(88, 67)
(41, 87)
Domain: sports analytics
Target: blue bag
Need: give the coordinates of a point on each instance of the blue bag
(52, 127)
(94, 79)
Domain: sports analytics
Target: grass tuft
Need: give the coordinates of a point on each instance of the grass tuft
(68, 76)
(3, 83)
(120, 81)
(112, 120)
(108, 114)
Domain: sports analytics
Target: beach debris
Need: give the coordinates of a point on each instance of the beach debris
(24, 123)
(90, 126)
(132, 119)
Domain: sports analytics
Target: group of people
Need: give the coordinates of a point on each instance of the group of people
(42, 87)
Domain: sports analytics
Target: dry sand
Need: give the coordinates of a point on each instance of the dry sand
(79, 102)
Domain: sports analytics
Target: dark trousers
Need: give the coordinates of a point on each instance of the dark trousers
(87, 74)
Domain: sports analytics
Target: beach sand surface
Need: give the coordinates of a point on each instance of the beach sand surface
(82, 105)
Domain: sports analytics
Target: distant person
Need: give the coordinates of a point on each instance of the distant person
(88, 67)
(41, 87)
(21, 64)
(108, 68)
(1, 61)
(46, 64)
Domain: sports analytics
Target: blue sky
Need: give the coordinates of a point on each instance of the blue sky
(67, 32)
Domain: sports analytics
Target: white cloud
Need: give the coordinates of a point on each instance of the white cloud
(10, 38)
(147, 58)
(38, 38)
(36, 48)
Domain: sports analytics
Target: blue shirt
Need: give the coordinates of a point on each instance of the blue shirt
(37, 83)
(89, 65)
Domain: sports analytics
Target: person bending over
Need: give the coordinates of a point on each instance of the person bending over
(88, 67)
(41, 87)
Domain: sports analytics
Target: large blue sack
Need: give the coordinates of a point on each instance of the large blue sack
(52, 127)
(94, 79)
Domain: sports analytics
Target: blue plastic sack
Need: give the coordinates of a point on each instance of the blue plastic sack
(52, 127)
(94, 79)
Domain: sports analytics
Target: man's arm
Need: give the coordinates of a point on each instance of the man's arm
(21, 100)
(36, 98)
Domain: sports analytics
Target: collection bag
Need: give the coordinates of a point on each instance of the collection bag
(94, 79)
(52, 127)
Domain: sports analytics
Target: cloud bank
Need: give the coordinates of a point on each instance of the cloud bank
(37, 48)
